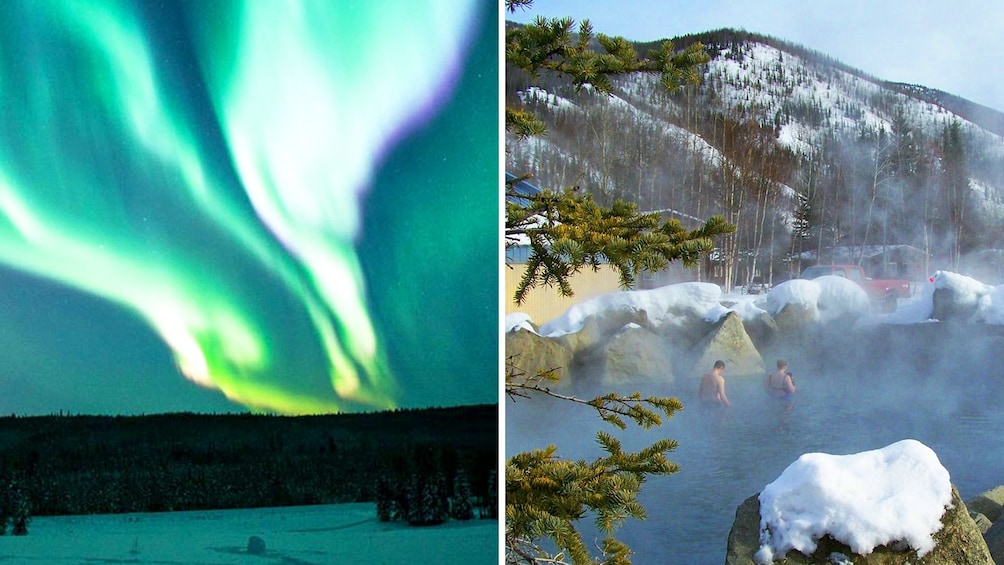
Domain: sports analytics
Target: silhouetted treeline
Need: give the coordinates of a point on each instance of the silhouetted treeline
(419, 488)
(102, 464)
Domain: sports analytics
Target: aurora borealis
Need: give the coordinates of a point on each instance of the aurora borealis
(251, 195)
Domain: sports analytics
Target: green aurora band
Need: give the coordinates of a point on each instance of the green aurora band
(203, 166)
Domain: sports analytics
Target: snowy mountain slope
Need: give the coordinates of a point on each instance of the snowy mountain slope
(833, 155)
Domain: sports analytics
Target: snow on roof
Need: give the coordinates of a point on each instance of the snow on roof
(894, 494)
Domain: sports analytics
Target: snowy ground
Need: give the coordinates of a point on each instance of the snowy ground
(344, 533)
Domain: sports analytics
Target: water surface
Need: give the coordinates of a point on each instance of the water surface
(727, 455)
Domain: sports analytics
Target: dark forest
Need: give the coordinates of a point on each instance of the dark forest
(66, 464)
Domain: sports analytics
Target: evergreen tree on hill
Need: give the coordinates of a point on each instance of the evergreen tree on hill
(462, 507)
(6, 509)
(384, 499)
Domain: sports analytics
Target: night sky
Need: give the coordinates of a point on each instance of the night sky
(219, 206)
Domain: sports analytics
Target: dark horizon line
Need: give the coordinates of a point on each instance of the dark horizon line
(68, 414)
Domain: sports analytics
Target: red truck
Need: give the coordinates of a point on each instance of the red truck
(884, 293)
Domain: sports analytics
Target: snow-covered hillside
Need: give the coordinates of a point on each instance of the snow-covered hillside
(797, 150)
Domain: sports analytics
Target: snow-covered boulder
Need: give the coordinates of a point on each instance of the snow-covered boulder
(826, 299)
(958, 542)
(677, 309)
(893, 505)
(729, 342)
(956, 297)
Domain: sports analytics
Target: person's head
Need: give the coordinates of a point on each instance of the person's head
(719, 365)
(782, 364)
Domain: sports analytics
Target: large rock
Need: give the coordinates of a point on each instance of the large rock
(634, 354)
(958, 542)
(729, 342)
(596, 330)
(762, 330)
(988, 503)
(529, 353)
(954, 305)
(995, 540)
(256, 546)
(982, 522)
(795, 319)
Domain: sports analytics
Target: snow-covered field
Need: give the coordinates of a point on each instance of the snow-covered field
(343, 533)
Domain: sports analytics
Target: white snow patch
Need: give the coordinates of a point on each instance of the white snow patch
(516, 321)
(553, 100)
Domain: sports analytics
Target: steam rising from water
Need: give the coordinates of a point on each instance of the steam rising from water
(937, 382)
(201, 165)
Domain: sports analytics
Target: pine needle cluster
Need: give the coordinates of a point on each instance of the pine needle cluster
(568, 231)
(547, 495)
(549, 45)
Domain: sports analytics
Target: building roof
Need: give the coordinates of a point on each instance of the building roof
(521, 188)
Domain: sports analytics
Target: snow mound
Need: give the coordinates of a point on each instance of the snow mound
(748, 309)
(828, 297)
(518, 321)
(894, 494)
(661, 307)
(966, 289)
